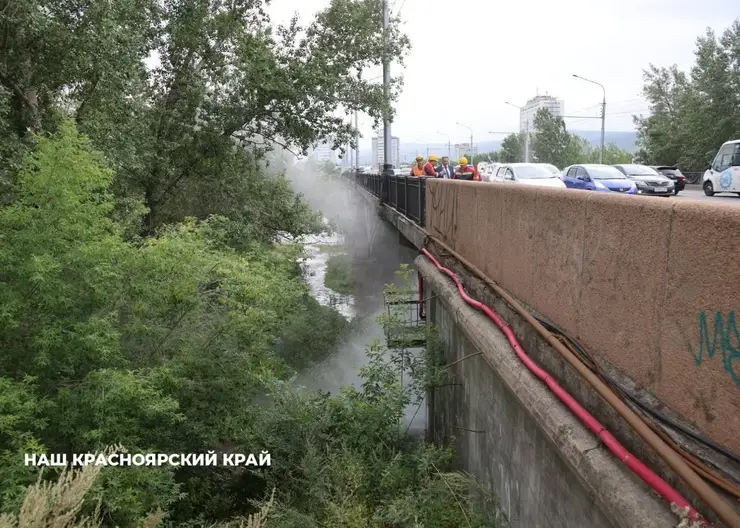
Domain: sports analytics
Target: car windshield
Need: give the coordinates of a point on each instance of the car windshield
(639, 170)
(532, 172)
(605, 173)
(551, 168)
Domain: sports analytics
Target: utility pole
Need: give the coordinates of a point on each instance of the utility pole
(471, 142)
(387, 159)
(357, 140)
(526, 131)
(603, 113)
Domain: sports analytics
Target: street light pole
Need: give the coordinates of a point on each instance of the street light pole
(603, 113)
(472, 155)
(526, 132)
(357, 139)
(387, 161)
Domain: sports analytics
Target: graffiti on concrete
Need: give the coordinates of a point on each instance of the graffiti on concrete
(725, 337)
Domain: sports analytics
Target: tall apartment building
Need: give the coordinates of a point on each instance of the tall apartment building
(529, 110)
(464, 149)
(378, 152)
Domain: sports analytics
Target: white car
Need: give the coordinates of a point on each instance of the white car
(528, 174)
(724, 174)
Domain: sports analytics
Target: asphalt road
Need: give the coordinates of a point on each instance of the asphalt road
(694, 192)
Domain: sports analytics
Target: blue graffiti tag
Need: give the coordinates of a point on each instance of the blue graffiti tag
(723, 336)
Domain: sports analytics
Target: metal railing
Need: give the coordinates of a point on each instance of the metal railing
(405, 194)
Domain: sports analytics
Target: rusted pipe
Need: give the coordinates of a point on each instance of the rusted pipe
(719, 506)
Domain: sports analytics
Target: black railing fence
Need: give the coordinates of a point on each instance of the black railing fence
(406, 194)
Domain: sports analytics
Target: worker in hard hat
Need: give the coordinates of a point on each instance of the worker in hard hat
(430, 168)
(465, 171)
(418, 168)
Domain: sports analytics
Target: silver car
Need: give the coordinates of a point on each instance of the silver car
(648, 181)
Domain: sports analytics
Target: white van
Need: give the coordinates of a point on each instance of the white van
(724, 174)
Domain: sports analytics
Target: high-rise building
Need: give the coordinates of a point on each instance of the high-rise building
(464, 149)
(529, 110)
(378, 152)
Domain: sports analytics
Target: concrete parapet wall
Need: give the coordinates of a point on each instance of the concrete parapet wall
(510, 431)
(622, 275)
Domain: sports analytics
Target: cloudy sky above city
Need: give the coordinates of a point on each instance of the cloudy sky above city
(469, 56)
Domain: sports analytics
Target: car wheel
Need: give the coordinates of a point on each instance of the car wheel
(708, 188)
(675, 191)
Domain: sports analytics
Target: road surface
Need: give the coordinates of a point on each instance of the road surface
(694, 192)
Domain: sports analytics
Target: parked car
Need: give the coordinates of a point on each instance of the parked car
(647, 180)
(595, 177)
(528, 174)
(552, 168)
(672, 172)
(490, 171)
(724, 173)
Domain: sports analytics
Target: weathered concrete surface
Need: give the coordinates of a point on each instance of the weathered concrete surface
(622, 274)
(510, 431)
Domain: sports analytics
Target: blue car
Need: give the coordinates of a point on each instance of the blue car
(595, 177)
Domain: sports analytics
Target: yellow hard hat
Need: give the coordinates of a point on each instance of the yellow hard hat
(419, 157)
(463, 161)
(433, 157)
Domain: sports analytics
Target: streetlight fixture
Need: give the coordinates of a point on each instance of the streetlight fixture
(526, 133)
(603, 113)
(471, 141)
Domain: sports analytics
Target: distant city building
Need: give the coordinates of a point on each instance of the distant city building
(323, 153)
(378, 151)
(529, 110)
(464, 149)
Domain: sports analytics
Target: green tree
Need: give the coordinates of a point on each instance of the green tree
(692, 115)
(550, 142)
(229, 85)
(512, 149)
(612, 154)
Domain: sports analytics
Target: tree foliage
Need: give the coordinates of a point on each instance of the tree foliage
(512, 149)
(693, 113)
(144, 300)
(224, 77)
(552, 143)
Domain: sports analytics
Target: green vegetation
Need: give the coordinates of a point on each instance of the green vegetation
(144, 301)
(692, 114)
(552, 143)
(339, 274)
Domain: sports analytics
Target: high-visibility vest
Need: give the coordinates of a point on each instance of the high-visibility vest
(416, 171)
(466, 174)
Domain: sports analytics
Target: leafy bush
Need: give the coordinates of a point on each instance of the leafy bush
(339, 274)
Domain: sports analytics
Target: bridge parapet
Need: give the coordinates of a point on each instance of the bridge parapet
(619, 274)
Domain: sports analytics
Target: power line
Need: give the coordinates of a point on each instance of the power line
(399, 9)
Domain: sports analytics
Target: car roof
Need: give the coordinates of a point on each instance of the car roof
(731, 142)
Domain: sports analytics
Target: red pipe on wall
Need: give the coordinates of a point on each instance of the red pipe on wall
(640, 469)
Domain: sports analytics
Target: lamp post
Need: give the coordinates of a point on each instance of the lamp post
(471, 141)
(526, 133)
(387, 157)
(603, 112)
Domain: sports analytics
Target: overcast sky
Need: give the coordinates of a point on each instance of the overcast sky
(469, 56)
